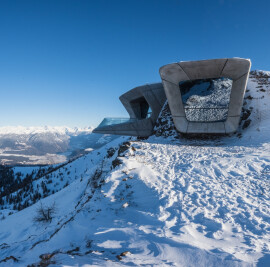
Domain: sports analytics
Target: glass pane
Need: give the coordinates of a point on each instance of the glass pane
(113, 121)
(206, 100)
(149, 113)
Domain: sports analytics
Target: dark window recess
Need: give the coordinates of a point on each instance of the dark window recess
(141, 108)
(144, 109)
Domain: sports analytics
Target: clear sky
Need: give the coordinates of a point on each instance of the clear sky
(67, 62)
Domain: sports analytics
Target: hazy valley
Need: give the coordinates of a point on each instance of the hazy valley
(46, 145)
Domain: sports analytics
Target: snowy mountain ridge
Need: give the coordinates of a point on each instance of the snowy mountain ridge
(162, 201)
(42, 129)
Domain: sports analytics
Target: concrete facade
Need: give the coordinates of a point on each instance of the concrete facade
(236, 69)
(137, 101)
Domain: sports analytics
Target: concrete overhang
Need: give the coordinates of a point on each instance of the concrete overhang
(153, 95)
(236, 69)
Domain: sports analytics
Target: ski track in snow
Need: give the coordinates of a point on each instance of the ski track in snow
(172, 202)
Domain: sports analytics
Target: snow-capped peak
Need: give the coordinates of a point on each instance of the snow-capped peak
(43, 129)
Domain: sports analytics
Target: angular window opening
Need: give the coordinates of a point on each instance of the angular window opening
(206, 100)
(141, 108)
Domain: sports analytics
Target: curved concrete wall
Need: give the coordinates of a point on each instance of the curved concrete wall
(236, 69)
(155, 97)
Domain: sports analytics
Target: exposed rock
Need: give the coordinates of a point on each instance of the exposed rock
(246, 124)
(110, 152)
(164, 125)
(124, 147)
(116, 163)
(125, 253)
(9, 258)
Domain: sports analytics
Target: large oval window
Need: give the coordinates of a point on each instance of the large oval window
(206, 100)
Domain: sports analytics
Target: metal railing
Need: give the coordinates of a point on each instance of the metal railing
(207, 114)
(205, 108)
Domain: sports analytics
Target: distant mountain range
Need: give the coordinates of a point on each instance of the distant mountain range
(46, 145)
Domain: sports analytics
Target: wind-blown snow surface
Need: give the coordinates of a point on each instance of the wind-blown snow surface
(167, 202)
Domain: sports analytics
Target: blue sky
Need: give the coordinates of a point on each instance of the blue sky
(67, 62)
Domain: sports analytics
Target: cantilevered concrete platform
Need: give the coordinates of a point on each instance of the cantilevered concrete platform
(143, 104)
(236, 69)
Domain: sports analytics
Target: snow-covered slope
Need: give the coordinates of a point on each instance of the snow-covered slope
(45, 145)
(164, 201)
